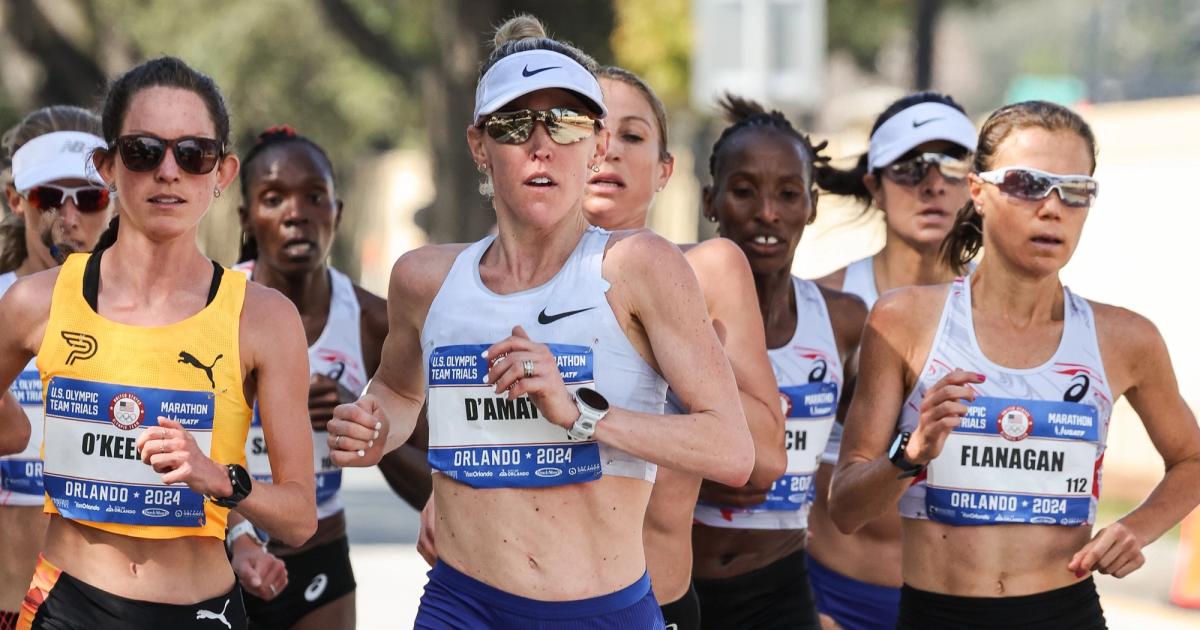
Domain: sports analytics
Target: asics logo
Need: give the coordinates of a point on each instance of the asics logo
(83, 346)
(316, 588)
(1078, 389)
(208, 614)
(526, 72)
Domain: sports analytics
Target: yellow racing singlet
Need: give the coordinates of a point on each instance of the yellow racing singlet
(105, 382)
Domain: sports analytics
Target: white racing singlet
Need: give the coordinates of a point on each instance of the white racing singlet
(337, 353)
(1031, 446)
(21, 473)
(809, 371)
(484, 440)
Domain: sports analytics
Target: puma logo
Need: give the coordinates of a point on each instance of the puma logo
(188, 359)
(208, 614)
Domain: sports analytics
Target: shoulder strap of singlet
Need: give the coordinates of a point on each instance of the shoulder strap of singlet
(91, 281)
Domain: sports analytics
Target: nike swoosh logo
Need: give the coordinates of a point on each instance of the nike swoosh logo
(919, 123)
(544, 319)
(526, 72)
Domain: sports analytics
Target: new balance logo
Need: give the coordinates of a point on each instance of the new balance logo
(208, 614)
(83, 346)
(188, 359)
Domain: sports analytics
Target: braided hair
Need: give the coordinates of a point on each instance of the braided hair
(277, 135)
(744, 114)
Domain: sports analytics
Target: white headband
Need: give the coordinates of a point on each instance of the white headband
(521, 73)
(56, 155)
(915, 125)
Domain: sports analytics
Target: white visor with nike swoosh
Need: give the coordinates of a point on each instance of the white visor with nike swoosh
(923, 122)
(521, 73)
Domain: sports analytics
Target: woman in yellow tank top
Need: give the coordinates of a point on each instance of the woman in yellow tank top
(150, 357)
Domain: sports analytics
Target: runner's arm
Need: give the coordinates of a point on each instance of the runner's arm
(662, 293)
(725, 278)
(274, 335)
(1154, 394)
(23, 309)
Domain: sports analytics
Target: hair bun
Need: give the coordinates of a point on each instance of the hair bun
(523, 26)
(276, 132)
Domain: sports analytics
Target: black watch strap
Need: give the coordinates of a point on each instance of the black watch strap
(239, 480)
(899, 460)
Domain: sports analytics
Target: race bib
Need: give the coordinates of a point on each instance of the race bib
(258, 464)
(1016, 461)
(809, 412)
(487, 441)
(93, 471)
(22, 473)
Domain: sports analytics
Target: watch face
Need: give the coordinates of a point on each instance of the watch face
(241, 480)
(592, 398)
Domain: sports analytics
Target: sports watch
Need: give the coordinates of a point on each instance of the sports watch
(241, 483)
(899, 460)
(592, 409)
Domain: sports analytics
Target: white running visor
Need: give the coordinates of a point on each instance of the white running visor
(521, 73)
(918, 124)
(53, 156)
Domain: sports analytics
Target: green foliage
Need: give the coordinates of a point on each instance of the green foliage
(654, 40)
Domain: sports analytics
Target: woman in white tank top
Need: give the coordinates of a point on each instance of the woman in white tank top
(1003, 382)
(540, 498)
(910, 175)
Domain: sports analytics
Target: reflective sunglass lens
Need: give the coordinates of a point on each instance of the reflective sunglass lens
(196, 156)
(91, 200)
(45, 198)
(569, 127)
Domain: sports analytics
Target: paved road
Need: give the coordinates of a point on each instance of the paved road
(391, 575)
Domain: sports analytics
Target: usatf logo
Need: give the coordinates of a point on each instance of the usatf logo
(126, 411)
(83, 346)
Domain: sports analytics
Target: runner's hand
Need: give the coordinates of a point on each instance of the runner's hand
(357, 433)
(721, 494)
(173, 453)
(425, 545)
(545, 388)
(1114, 550)
(941, 411)
(260, 572)
(323, 397)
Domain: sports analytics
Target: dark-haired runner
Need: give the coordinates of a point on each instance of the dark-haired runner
(749, 545)
(290, 213)
(150, 356)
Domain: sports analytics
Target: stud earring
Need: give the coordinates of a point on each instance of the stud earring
(216, 192)
(482, 166)
(595, 168)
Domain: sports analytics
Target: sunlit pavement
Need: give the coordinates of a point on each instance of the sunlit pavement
(391, 574)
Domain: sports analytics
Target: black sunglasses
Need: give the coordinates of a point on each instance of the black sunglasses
(144, 152)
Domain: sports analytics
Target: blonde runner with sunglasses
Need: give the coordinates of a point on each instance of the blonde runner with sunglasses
(544, 353)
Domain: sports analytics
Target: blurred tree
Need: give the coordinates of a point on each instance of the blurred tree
(445, 75)
(661, 56)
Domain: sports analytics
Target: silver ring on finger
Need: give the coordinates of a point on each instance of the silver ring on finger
(273, 591)
(528, 365)
(337, 441)
(162, 446)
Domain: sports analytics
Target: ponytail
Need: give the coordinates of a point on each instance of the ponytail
(845, 182)
(965, 239)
